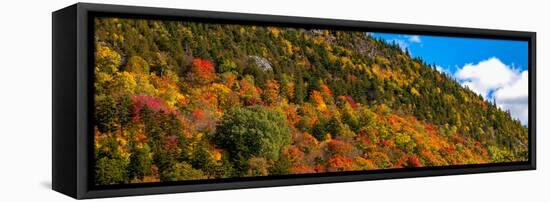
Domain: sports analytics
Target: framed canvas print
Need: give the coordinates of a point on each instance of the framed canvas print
(154, 100)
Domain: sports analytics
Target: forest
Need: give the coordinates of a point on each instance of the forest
(191, 100)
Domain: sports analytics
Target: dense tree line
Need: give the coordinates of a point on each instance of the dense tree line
(190, 100)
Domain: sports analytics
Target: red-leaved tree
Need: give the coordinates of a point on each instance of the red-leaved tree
(202, 71)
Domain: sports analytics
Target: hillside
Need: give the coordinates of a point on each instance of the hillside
(184, 100)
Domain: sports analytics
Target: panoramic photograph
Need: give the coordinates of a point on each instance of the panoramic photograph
(190, 101)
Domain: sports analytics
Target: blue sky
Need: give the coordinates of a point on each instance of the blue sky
(495, 69)
(453, 52)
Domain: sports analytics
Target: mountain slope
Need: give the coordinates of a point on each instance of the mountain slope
(173, 101)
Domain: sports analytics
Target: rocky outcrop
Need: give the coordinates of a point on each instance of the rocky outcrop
(261, 62)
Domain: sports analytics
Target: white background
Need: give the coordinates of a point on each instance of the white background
(25, 101)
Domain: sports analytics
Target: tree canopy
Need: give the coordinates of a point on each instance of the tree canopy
(189, 100)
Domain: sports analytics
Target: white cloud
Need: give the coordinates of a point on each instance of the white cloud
(486, 76)
(515, 97)
(442, 70)
(414, 38)
(493, 79)
(401, 43)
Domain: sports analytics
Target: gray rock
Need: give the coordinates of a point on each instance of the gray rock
(262, 63)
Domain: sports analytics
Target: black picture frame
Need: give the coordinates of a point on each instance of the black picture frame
(72, 106)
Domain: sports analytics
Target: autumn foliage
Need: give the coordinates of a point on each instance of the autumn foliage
(191, 101)
(152, 103)
(202, 71)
